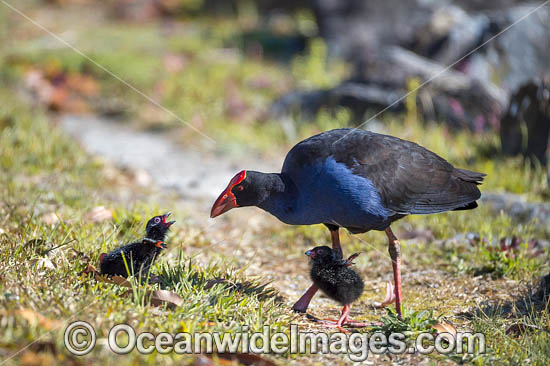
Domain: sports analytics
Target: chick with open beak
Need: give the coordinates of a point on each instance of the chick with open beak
(139, 255)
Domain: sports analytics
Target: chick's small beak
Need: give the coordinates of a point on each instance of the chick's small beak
(309, 253)
(225, 202)
(164, 217)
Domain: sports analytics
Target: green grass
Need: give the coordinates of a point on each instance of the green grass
(504, 349)
(45, 173)
(411, 323)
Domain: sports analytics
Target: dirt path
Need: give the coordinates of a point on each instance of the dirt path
(196, 175)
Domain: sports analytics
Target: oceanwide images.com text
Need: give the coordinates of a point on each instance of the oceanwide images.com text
(80, 339)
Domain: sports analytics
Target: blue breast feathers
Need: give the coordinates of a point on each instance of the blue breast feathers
(329, 192)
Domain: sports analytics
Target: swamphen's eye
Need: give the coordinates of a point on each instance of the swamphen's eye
(157, 220)
(240, 188)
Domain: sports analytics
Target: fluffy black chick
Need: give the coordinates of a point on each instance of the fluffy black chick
(333, 275)
(139, 255)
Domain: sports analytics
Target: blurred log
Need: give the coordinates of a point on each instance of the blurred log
(353, 27)
(447, 80)
(357, 97)
(381, 81)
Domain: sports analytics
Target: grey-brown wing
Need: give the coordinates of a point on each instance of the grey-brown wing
(410, 178)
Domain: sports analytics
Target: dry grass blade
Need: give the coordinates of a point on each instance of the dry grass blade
(161, 297)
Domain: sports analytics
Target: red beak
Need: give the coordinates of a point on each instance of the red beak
(225, 202)
(164, 217)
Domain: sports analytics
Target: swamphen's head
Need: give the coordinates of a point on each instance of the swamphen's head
(157, 227)
(246, 188)
(323, 255)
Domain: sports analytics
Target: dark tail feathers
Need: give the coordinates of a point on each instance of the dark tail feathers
(469, 176)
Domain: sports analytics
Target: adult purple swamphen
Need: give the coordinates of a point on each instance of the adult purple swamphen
(358, 180)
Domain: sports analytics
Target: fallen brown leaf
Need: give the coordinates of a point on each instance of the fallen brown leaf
(161, 297)
(117, 280)
(158, 297)
(445, 327)
(89, 269)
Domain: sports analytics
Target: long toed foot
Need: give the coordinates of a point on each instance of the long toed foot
(395, 253)
(390, 297)
(344, 320)
(350, 323)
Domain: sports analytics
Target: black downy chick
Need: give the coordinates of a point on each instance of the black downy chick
(332, 275)
(139, 255)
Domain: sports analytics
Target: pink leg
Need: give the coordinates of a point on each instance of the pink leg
(343, 318)
(395, 254)
(302, 304)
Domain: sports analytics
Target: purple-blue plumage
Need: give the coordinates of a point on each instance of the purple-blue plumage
(329, 193)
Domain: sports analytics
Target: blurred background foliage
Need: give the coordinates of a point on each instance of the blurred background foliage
(254, 75)
(258, 76)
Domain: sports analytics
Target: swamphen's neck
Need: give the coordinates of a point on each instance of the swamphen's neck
(276, 192)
